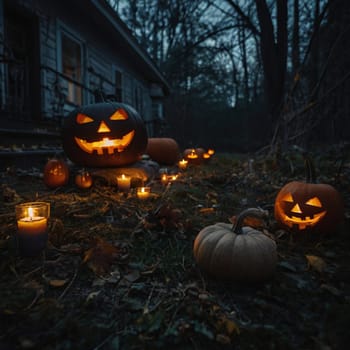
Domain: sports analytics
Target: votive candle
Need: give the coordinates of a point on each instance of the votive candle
(32, 220)
(143, 192)
(124, 183)
(183, 164)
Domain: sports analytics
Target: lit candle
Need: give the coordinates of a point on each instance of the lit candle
(124, 183)
(210, 151)
(143, 192)
(32, 227)
(172, 177)
(168, 178)
(164, 179)
(183, 164)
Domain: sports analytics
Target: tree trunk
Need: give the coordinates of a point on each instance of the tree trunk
(242, 44)
(295, 39)
(273, 54)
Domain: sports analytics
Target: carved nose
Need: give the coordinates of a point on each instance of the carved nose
(103, 127)
(296, 209)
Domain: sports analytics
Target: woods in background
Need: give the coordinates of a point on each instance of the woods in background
(246, 74)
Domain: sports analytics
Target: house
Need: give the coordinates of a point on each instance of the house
(56, 55)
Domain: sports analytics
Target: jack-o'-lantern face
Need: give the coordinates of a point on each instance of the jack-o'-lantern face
(104, 135)
(308, 207)
(301, 214)
(106, 144)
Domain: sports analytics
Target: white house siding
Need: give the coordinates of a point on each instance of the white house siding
(101, 57)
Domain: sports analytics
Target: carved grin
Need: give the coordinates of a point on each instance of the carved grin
(303, 222)
(106, 146)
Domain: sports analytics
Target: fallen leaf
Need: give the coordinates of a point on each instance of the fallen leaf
(101, 256)
(206, 210)
(333, 290)
(92, 296)
(316, 263)
(57, 283)
(223, 339)
(132, 276)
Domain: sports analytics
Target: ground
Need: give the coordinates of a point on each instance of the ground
(119, 272)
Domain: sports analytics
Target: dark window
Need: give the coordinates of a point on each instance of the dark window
(72, 68)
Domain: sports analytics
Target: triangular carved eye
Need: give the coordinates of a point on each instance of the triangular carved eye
(83, 119)
(288, 198)
(120, 114)
(314, 202)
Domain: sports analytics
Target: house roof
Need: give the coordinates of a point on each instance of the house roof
(105, 15)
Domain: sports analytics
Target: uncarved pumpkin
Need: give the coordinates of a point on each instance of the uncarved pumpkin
(106, 134)
(236, 253)
(56, 173)
(163, 150)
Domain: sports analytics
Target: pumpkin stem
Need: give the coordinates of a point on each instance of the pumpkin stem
(309, 165)
(253, 212)
(310, 169)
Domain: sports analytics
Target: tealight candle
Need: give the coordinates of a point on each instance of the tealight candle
(168, 178)
(172, 177)
(183, 164)
(32, 227)
(164, 179)
(143, 192)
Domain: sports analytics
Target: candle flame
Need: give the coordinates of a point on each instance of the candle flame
(30, 213)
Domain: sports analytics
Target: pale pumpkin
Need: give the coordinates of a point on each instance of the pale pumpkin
(236, 253)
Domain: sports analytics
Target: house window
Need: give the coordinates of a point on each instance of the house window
(118, 85)
(72, 68)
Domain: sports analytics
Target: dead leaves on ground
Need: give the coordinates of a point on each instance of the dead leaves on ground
(102, 255)
(144, 291)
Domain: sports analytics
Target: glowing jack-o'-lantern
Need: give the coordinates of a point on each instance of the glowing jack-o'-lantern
(104, 134)
(308, 207)
(56, 173)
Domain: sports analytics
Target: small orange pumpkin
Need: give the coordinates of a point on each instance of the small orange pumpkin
(83, 180)
(56, 173)
(163, 150)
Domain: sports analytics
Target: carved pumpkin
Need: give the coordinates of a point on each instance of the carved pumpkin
(163, 150)
(83, 179)
(236, 253)
(105, 134)
(308, 206)
(56, 173)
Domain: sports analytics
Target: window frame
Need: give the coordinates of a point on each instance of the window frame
(76, 85)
